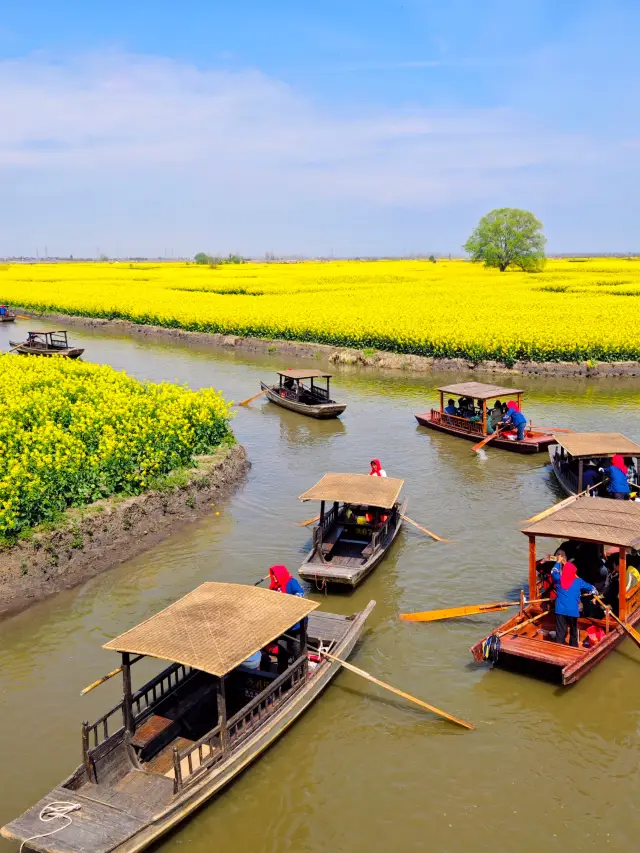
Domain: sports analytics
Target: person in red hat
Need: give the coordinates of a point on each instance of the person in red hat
(569, 588)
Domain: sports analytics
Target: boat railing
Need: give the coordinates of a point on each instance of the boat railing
(633, 599)
(319, 531)
(95, 734)
(213, 747)
(159, 688)
(438, 417)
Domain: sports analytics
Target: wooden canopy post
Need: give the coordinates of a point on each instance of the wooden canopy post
(580, 471)
(622, 585)
(321, 512)
(303, 645)
(127, 704)
(328, 394)
(442, 402)
(519, 402)
(221, 696)
(312, 386)
(484, 417)
(533, 583)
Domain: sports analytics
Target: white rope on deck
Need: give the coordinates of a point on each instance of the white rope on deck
(58, 810)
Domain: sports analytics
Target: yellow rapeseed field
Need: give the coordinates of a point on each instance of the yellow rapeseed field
(575, 310)
(71, 433)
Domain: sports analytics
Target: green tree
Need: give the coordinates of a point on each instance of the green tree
(202, 258)
(508, 236)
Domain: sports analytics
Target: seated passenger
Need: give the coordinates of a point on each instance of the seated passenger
(618, 485)
(589, 476)
(450, 408)
(569, 588)
(632, 474)
(515, 418)
(254, 661)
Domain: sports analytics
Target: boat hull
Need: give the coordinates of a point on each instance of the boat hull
(320, 411)
(532, 444)
(71, 352)
(8, 318)
(566, 484)
(326, 574)
(565, 664)
(134, 832)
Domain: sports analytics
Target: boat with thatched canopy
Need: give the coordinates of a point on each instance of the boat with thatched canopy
(355, 534)
(47, 343)
(604, 527)
(474, 427)
(575, 451)
(171, 745)
(312, 400)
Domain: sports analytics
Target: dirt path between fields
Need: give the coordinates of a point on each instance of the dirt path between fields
(95, 538)
(347, 356)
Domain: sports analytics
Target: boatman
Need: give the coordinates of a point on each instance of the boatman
(515, 418)
(376, 469)
(569, 587)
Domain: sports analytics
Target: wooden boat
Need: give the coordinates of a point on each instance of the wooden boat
(170, 746)
(584, 519)
(312, 400)
(572, 452)
(476, 430)
(47, 343)
(355, 534)
(8, 317)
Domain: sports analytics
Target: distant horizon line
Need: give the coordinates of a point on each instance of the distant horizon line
(287, 258)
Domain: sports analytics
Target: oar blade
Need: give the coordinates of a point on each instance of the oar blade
(250, 399)
(457, 612)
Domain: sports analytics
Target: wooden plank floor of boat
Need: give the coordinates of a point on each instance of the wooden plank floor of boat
(327, 626)
(544, 651)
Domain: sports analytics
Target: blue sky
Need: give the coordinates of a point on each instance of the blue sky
(307, 127)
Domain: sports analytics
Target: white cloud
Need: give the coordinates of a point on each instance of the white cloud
(121, 126)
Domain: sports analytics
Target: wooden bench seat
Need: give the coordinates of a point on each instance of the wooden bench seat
(149, 730)
(329, 539)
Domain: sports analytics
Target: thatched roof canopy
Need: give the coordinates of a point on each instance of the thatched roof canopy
(583, 444)
(602, 520)
(479, 390)
(304, 374)
(356, 489)
(215, 627)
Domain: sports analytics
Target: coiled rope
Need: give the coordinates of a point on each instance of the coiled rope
(58, 810)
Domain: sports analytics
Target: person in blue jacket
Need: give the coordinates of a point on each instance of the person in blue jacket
(618, 485)
(450, 408)
(569, 587)
(515, 418)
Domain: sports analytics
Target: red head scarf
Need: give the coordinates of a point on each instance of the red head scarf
(618, 462)
(569, 572)
(376, 467)
(513, 405)
(279, 578)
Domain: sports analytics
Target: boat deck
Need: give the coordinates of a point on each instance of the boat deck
(534, 442)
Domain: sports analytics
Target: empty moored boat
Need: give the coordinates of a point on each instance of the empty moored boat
(480, 421)
(575, 452)
(47, 343)
(312, 400)
(170, 746)
(355, 534)
(526, 641)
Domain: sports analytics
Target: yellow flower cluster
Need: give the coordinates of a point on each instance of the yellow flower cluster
(71, 433)
(574, 310)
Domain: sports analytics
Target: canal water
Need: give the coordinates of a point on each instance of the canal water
(547, 769)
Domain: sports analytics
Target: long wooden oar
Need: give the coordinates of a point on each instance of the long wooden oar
(251, 399)
(468, 610)
(395, 690)
(424, 529)
(308, 521)
(522, 624)
(630, 631)
(108, 676)
(17, 346)
(549, 429)
(21, 317)
(565, 502)
(486, 440)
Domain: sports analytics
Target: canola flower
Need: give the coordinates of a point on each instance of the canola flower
(573, 311)
(71, 433)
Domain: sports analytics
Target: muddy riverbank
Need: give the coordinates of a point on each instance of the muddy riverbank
(95, 538)
(378, 360)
